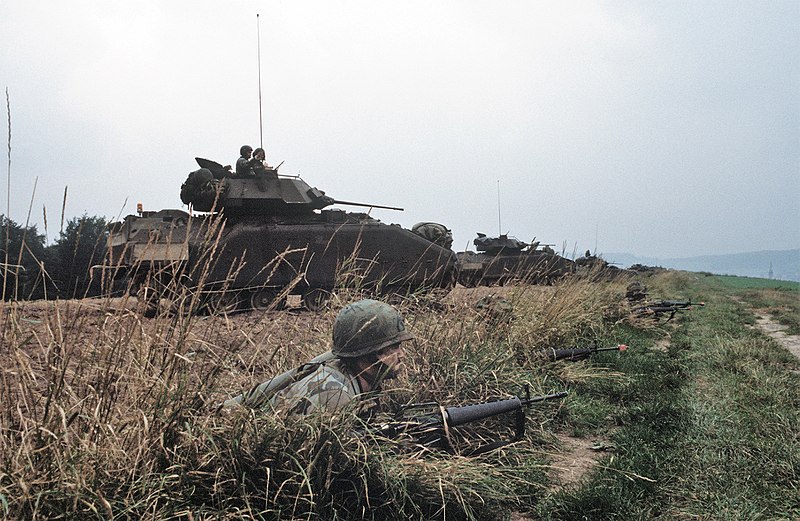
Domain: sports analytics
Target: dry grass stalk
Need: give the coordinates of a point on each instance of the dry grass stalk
(106, 413)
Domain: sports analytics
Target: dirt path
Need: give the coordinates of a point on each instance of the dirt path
(778, 332)
(773, 328)
(577, 457)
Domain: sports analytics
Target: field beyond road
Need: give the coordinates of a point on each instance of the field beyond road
(109, 415)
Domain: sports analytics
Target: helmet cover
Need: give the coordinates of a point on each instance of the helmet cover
(367, 326)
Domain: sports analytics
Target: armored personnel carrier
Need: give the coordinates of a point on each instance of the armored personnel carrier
(503, 259)
(596, 268)
(264, 237)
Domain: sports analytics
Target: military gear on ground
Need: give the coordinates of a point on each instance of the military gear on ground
(434, 232)
(367, 326)
(498, 309)
(432, 425)
(662, 307)
(636, 291)
(494, 303)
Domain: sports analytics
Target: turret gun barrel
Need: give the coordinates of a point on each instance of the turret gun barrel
(336, 201)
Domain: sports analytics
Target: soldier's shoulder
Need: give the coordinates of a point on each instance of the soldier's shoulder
(327, 388)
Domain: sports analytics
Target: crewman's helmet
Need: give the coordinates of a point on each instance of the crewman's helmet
(367, 326)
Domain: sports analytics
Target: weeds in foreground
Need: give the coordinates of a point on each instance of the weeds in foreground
(107, 413)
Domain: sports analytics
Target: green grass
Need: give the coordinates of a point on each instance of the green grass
(779, 299)
(737, 283)
(708, 430)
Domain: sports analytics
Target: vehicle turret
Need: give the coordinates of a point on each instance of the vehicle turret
(495, 245)
(503, 259)
(212, 188)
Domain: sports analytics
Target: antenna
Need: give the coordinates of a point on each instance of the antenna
(499, 222)
(596, 230)
(260, 116)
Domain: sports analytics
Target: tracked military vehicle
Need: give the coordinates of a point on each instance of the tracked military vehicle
(503, 259)
(596, 268)
(263, 237)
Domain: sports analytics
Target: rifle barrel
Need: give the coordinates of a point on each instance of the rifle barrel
(553, 396)
(478, 411)
(621, 347)
(567, 354)
(336, 201)
(468, 413)
(681, 303)
(579, 353)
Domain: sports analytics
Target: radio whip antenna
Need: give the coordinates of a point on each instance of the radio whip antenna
(499, 222)
(260, 116)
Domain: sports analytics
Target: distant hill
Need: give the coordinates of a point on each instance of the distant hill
(785, 263)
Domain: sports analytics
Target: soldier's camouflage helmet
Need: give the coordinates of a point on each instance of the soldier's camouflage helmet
(367, 326)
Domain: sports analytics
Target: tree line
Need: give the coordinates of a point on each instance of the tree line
(31, 269)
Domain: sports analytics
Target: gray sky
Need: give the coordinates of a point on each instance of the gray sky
(663, 129)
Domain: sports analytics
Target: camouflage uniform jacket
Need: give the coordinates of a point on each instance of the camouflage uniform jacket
(328, 388)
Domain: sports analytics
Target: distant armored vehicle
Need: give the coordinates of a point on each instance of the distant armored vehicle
(503, 259)
(266, 236)
(597, 268)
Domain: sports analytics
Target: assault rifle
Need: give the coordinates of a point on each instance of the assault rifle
(683, 304)
(661, 307)
(578, 353)
(433, 429)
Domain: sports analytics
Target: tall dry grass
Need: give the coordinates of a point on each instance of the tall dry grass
(109, 414)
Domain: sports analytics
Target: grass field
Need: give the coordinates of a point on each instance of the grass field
(107, 415)
(747, 283)
(779, 299)
(708, 429)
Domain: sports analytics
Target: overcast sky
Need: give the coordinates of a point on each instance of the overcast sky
(662, 129)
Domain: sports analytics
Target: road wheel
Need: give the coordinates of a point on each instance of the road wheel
(316, 299)
(223, 303)
(265, 299)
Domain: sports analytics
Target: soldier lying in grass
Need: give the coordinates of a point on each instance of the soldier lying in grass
(367, 349)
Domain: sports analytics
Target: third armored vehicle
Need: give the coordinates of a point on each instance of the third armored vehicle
(502, 259)
(266, 236)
